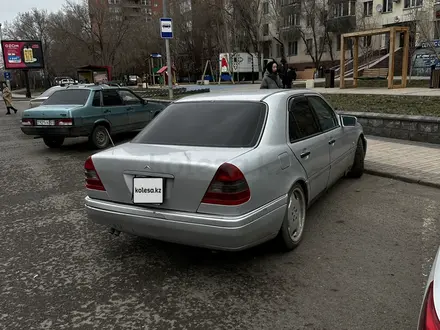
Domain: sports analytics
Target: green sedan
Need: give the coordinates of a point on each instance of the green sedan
(96, 112)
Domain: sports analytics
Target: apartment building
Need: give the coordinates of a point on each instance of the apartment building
(299, 29)
(131, 8)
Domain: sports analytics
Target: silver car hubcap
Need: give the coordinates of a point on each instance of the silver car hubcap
(296, 214)
(101, 138)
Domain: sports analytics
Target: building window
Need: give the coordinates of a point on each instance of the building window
(309, 46)
(291, 20)
(146, 2)
(387, 6)
(437, 30)
(368, 8)
(347, 8)
(265, 29)
(338, 42)
(278, 50)
(293, 48)
(114, 2)
(265, 8)
(413, 3)
(366, 41)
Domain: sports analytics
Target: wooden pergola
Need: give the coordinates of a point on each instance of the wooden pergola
(392, 33)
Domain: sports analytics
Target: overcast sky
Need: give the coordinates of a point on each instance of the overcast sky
(10, 8)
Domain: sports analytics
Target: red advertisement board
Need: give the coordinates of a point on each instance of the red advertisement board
(22, 54)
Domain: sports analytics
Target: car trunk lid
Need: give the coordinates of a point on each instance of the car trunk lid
(186, 171)
(50, 111)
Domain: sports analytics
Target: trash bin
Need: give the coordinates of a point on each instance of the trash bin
(329, 78)
(435, 78)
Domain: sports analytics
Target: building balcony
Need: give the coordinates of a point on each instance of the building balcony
(290, 32)
(343, 24)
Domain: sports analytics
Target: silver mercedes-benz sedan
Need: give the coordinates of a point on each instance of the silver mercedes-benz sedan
(430, 311)
(226, 171)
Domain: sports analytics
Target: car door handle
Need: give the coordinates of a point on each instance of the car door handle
(332, 141)
(107, 111)
(305, 154)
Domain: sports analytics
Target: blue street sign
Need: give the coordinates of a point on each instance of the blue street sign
(7, 75)
(166, 28)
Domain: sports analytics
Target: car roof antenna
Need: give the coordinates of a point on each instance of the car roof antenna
(109, 136)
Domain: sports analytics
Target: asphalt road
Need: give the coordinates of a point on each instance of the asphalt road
(367, 250)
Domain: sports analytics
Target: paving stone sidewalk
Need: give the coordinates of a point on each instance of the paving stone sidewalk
(404, 160)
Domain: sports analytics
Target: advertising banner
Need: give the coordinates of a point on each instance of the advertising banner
(22, 54)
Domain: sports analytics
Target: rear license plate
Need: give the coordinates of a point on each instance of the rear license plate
(148, 190)
(45, 122)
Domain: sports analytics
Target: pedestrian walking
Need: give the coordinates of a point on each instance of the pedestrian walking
(271, 79)
(7, 97)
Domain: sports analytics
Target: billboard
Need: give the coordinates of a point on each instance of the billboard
(22, 54)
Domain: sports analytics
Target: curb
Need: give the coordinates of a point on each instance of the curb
(402, 178)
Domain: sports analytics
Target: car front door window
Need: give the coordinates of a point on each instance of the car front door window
(302, 122)
(326, 116)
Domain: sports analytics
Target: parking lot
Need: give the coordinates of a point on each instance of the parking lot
(367, 250)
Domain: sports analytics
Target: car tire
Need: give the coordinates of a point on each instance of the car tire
(357, 169)
(288, 237)
(54, 141)
(99, 139)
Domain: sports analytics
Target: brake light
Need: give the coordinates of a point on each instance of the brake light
(92, 178)
(228, 187)
(64, 122)
(429, 319)
(27, 122)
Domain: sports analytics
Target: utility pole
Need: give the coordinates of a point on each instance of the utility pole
(168, 53)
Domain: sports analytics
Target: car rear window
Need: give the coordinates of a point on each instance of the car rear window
(71, 96)
(206, 124)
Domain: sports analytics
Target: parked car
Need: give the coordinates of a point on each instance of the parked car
(88, 110)
(226, 171)
(430, 311)
(35, 102)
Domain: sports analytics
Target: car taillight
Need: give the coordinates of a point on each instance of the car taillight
(92, 178)
(64, 122)
(27, 122)
(429, 319)
(228, 187)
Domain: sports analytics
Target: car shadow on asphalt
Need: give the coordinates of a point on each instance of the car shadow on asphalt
(82, 145)
(183, 255)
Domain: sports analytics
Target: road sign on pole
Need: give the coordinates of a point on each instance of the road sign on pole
(166, 28)
(7, 75)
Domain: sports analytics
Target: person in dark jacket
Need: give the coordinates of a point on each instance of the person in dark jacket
(271, 80)
(290, 77)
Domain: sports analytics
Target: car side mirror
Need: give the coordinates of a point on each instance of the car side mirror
(144, 101)
(349, 121)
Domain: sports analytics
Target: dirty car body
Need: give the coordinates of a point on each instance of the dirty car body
(78, 110)
(223, 174)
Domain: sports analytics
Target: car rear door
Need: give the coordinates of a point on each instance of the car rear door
(338, 147)
(115, 111)
(309, 145)
(138, 114)
(94, 112)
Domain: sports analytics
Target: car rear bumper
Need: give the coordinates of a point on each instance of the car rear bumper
(55, 131)
(217, 232)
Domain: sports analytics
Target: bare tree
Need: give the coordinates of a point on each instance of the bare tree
(313, 28)
(248, 16)
(423, 30)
